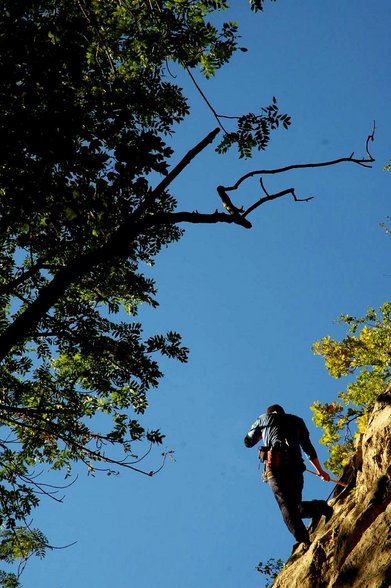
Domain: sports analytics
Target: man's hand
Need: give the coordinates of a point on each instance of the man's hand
(324, 475)
(248, 441)
(320, 471)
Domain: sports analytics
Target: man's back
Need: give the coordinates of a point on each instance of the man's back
(287, 430)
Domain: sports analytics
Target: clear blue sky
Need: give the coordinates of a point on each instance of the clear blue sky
(249, 304)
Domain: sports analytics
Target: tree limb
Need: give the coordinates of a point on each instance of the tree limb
(203, 96)
(184, 162)
(270, 197)
(199, 218)
(364, 162)
(119, 243)
(239, 213)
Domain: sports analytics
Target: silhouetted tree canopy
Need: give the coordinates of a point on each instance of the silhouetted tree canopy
(88, 110)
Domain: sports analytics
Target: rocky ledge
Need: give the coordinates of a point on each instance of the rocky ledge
(354, 547)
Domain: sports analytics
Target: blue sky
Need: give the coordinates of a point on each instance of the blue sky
(249, 304)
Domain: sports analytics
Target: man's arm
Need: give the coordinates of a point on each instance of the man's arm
(321, 472)
(254, 435)
(309, 449)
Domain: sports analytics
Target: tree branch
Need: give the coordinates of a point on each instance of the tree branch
(203, 96)
(174, 173)
(117, 245)
(53, 430)
(120, 241)
(270, 197)
(364, 161)
(199, 218)
(25, 410)
(239, 213)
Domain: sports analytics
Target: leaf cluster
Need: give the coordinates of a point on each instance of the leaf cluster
(9, 580)
(257, 5)
(271, 569)
(89, 106)
(253, 131)
(21, 543)
(365, 353)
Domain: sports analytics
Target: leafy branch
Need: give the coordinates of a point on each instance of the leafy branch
(253, 130)
(240, 213)
(270, 569)
(366, 352)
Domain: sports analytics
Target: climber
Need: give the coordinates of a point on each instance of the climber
(284, 436)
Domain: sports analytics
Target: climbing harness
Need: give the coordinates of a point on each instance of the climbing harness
(262, 453)
(273, 458)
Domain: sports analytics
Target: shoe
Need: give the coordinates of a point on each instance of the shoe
(327, 511)
(324, 510)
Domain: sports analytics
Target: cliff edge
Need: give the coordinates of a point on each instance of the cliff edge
(354, 547)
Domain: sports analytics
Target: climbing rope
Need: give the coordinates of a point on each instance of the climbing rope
(331, 479)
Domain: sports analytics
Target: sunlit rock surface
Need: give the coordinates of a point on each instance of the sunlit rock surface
(354, 547)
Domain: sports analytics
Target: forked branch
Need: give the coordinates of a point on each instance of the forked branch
(268, 197)
(240, 214)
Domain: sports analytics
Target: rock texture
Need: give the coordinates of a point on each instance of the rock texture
(354, 547)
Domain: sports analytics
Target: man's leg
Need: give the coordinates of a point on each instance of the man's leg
(287, 488)
(314, 509)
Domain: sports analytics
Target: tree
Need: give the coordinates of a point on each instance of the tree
(89, 107)
(365, 351)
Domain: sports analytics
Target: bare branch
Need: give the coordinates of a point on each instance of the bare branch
(227, 203)
(199, 218)
(239, 214)
(364, 161)
(120, 241)
(271, 197)
(170, 177)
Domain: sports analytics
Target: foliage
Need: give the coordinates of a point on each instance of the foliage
(19, 543)
(385, 227)
(365, 352)
(88, 110)
(271, 569)
(257, 4)
(254, 130)
(9, 580)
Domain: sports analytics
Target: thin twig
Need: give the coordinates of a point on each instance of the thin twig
(270, 197)
(202, 94)
(238, 213)
(365, 162)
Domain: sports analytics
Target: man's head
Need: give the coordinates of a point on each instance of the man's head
(275, 408)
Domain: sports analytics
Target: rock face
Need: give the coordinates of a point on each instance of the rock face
(354, 547)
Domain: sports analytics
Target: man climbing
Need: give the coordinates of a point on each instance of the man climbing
(284, 436)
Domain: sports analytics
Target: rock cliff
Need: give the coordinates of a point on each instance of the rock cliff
(354, 547)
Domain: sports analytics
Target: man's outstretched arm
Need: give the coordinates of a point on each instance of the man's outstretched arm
(310, 450)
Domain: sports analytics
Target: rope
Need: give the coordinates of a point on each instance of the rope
(331, 479)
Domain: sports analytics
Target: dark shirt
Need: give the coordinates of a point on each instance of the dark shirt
(286, 430)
